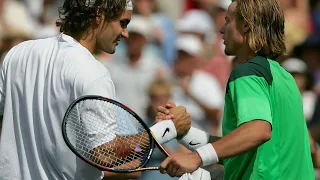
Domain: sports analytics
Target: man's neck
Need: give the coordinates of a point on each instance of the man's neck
(244, 56)
(85, 40)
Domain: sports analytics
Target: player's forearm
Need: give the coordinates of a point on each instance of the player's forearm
(246, 137)
(196, 138)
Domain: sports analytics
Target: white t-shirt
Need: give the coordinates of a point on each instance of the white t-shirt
(38, 81)
(207, 90)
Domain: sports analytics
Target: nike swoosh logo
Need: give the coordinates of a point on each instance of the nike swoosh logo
(165, 132)
(193, 144)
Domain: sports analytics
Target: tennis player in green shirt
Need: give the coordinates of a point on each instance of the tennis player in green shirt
(264, 130)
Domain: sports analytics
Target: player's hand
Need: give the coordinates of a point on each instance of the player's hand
(181, 120)
(164, 113)
(177, 165)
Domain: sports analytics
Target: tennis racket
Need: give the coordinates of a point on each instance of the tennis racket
(108, 135)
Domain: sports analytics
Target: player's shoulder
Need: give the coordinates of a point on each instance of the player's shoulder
(258, 66)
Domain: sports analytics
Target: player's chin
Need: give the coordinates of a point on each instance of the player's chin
(228, 52)
(111, 50)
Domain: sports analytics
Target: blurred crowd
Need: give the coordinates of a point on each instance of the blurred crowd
(175, 53)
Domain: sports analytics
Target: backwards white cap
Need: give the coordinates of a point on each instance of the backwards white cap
(129, 4)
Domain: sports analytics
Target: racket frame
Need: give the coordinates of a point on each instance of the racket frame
(152, 140)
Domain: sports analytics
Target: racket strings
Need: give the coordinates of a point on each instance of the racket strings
(107, 135)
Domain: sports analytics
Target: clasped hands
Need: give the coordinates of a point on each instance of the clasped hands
(177, 165)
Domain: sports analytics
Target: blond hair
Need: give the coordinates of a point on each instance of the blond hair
(265, 19)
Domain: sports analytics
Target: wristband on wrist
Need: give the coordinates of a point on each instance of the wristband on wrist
(194, 139)
(164, 131)
(208, 155)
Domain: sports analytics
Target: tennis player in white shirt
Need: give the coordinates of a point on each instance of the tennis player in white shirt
(40, 78)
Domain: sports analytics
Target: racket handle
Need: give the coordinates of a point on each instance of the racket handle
(145, 169)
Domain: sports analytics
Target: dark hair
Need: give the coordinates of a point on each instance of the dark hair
(76, 15)
(266, 21)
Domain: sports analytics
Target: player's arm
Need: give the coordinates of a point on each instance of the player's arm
(123, 146)
(248, 136)
(249, 104)
(248, 98)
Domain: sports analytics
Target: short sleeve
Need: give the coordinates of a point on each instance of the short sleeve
(105, 121)
(250, 98)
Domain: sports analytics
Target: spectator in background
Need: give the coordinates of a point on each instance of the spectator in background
(219, 65)
(163, 32)
(299, 71)
(133, 72)
(214, 60)
(195, 89)
(205, 31)
(159, 94)
(297, 22)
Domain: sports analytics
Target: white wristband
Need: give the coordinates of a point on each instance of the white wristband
(164, 131)
(208, 155)
(194, 139)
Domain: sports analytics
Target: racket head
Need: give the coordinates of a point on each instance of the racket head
(72, 144)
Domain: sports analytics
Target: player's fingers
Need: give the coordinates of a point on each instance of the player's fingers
(170, 105)
(163, 110)
(172, 169)
(164, 164)
(179, 172)
(162, 118)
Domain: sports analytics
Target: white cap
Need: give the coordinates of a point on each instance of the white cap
(225, 4)
(295, 65)
(190, 44)
(129, 5)
(197, 21)
(90, 3)
(140, 25)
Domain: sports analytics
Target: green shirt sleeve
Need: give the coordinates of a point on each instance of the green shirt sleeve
(251, 99)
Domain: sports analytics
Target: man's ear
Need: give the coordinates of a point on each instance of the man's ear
(98, 20)
(99, 17)
(245, 28)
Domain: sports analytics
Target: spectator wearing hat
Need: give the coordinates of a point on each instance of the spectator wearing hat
(195, 89)
(299, 71)
(133, 71)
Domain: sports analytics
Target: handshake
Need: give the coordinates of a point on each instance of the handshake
(179, 116)
(178, 125)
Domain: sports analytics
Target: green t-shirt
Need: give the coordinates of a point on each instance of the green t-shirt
(260, 89)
